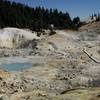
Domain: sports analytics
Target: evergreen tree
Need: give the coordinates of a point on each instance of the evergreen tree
(14, 14)
(76, 21)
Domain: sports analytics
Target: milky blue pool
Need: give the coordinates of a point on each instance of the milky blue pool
(16, 66)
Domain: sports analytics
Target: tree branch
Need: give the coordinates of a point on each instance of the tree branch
(91, 57)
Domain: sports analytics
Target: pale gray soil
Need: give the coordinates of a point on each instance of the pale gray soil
(67, 60)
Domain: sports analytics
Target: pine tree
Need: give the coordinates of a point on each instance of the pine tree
(22, 16)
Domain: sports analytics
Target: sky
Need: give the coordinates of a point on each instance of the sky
(81, 8)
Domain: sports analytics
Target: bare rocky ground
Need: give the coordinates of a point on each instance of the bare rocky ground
(70, 68)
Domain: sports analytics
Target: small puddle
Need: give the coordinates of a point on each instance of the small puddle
(16, 66)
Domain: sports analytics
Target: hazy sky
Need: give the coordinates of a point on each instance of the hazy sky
(82, 8)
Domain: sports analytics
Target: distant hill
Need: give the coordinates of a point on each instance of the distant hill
(92, 26)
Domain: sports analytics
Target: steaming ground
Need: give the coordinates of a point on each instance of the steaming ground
(70, 68)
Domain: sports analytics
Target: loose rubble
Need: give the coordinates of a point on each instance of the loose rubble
(67, 67)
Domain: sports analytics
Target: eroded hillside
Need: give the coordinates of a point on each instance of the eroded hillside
(70, 60)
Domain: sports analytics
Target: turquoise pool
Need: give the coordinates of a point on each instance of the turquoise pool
(16, 66)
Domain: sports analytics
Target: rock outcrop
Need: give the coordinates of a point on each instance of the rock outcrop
(14, 37)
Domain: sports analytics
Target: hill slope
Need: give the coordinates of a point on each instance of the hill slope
(14, 37)
(71, 61)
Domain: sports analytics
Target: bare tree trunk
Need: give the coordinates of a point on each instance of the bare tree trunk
(90, 56)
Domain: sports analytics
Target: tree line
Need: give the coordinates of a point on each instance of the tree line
(18, 15)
